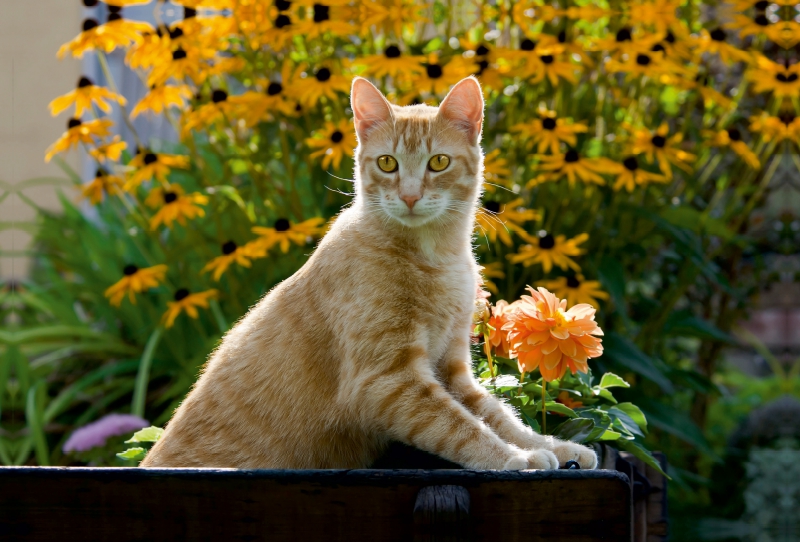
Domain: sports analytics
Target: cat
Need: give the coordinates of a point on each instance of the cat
(369, 342)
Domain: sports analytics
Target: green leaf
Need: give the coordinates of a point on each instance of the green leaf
(143, 375)
(627, 422)
(33, 415)
(642, 453)
(133, 454)
(635, 413)
(612, 276)
(622, 351)
(610, 380)
(148, 434)
(685, 324)
(561, 409)
(696, 221)
(607, 395)
(610, 435)
(576, 429)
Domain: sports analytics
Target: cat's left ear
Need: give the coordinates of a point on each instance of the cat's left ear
(463, 106)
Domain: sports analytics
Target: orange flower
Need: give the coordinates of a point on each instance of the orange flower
(497, 337)
(543, 334)
(567, 401)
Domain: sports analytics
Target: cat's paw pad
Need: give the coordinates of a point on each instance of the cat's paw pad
(541, 460)
(570, 451)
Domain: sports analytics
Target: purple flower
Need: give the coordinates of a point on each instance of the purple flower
(96, 433)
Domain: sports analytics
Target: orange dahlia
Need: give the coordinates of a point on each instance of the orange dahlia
(543, 334)
(497, 336)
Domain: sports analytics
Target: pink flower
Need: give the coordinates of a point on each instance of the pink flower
(96, 433)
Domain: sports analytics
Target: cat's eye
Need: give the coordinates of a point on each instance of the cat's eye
(387, 163)
(439, 162)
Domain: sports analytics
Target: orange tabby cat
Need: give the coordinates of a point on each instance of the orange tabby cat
(369, 341)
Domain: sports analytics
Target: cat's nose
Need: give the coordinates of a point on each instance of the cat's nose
(411, 200)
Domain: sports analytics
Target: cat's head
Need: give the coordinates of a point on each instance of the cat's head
(419, 164)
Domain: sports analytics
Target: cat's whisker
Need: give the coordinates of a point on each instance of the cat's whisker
(341, 178)
(498, 186)
(351, 194)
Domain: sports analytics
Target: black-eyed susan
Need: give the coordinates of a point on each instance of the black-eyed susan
(547, 250)
(625, 42)
(548, 131)
(662, 147)
(496, 172)
(185, 63)
(573, 166)
(715, 42)
(333, 142)
(491, 271)
(732, 138)
(711, 97)
(174, 205)
(392, 63)
(776, 129)
(497, 219)
(231, 253)
(284, 233)
(149, 164)
(333, 16)
(154, 48)
(576, 289)
(256, 106)
(544, 57)
(437, 78)
(219, 108)
(105, 37)
(748, 25)
(785, 33)
(325, 81)
(630, 175)
(79, 132)
(768, 76)
(185, 301)
(110, 151)
(645, 63)
(162, 98)
(103, 183)
(134, 281)
(657, 14)
(85, 94)
(390, 15)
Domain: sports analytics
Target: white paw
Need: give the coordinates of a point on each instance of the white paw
(570, 451)
(541, 460)
(516, 463)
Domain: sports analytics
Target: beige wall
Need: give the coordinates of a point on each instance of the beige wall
(31, 32)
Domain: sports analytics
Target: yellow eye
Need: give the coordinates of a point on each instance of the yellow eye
(439, 162)
(387, 163)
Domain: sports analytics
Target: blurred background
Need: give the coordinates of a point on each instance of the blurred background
(640, 156)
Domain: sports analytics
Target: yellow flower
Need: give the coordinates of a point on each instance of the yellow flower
(230, 254)
(109, 152)
(390, 15)
(106, 37)
(785, 33)
(769, 76)
(572, 166)
(665, 150)
(630, 175)
(103, 183)
(548, 251)
(495, 219)
(732, 138)
(153, 49)
(575, 289)
(323, 82)
(334, 141)
(149, 164)
(284, 233)
(495, 171)
(135, 281)
(775, 128)
(437, 78)
(161, 98)
(547, 132)
(84, 95)
(208, 114)
(659, 14)
(185, 63)
(623, 43)
(492, 271)
(175, 205)
(188, 303)
(327, 18)
(79, 132)
(714, 42)
(391, 63)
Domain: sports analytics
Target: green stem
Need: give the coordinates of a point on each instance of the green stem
(33, 413)
(143, 375)
(216, 310)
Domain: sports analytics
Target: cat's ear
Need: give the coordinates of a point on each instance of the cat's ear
(369, 106)
(463, 106)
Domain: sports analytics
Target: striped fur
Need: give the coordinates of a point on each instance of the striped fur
(369, 341)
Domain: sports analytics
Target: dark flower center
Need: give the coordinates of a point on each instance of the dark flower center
(337, 136)
(434, 71)
(84, 82)
(282, 5)
(670, 38)
(90, 3)
(762, 5)
(631, 163)
(282, 224)
(218, 96)
(624, 35)
(321, 13)
(562, 37)
(175, 33)
(734, 134)
(188, 13)
(229, 248)
(282, 21)
(178, 54)
(73, 123)
(761, 20)
(88, 24)
(183, 293)
(482, 50)
(527, 45)
(548, 123)
(482, 65)
(658, 141)
(642, 60)
(115, 9)
(546, 241)
(114, 17)
(492, 206)
(100, 172)
(323, 74)
(274, 88)
(657, 48)
(718, 34)
(393, 51)
(129, 270)
(573, 282)
(298, 108)
(571, 156)
(169, 197)
(150, 158)
(547, 59)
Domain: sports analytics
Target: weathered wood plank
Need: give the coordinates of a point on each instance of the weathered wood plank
(127, 504)
(441, 514)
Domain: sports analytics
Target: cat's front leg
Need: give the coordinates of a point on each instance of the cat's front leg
(460, 380)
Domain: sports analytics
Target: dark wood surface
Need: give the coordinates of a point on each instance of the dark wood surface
(441, 514)
(127, 504)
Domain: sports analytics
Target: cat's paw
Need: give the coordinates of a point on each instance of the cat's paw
(570, 451)
(536, 459)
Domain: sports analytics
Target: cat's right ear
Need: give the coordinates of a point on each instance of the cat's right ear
(370, 108)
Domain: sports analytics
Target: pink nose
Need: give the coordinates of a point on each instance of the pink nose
(411, 200)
